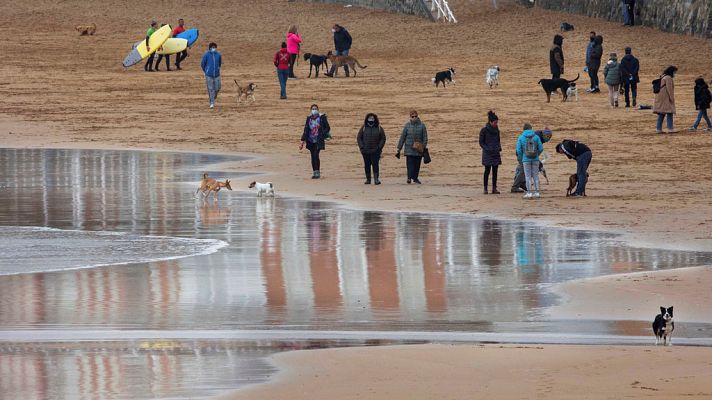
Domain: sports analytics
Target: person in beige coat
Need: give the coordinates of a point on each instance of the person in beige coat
(665, 99)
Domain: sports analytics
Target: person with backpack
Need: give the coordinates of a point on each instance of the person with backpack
(519, 184)
(629, 75)
(316, 131)
(371, 138)
(282, 60)
(664, 89)
(529, 147)
(582, 154)
(491, 149)
(612, 77)
(702, 104)
(556, 57)
(594, 62)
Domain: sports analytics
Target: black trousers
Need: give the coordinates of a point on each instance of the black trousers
(493, 168)
(168, 61)
(292, 59)
(180, 57)
(593, 74)
(316, 163)
(412, 164)
(370, 161)
(555, 75)
(628, 87)
(631, 13)
(149, 63)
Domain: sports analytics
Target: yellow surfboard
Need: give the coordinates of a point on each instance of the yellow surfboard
(155, 41)
(173, 46)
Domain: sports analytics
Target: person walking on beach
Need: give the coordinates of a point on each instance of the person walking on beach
(211, 63)
(371, 138)
(628, 12)
(612, 77)
(630, 67)
(491, 149)
(665, 100)
(556, 57)
(702, 104)
(151, 30)
(342, 45)
(415, 140)
(294, 40)
(282, 61)
(594, 63)
(316, 130)
(161, 56)
(582, 154)
(176, 31)
(529, 147)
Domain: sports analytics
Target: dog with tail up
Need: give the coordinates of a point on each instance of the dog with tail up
(210, 185)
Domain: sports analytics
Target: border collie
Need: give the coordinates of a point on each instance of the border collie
(444, 76)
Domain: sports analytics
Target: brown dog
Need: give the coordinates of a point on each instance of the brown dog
(339, 61)
(573, 181)
(210, 185)
(86, 29)
(248, 92)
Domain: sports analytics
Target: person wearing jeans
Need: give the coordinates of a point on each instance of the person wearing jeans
(529, 147)
(371, 138)
(702, 103)
(316, 130)
(282, 61)
(211, 63)
(413, 140)
(582, 154)
(342, 44)
(665, 99)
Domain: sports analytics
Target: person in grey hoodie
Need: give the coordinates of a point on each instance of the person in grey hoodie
(371, 138)
(612, 77)
(415, 140)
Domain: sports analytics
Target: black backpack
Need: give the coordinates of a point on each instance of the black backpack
(656, 85)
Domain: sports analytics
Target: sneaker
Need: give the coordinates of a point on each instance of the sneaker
(693, 129)
(528, 195)
(590, 90)
(283, 97)
(658, 131)
(596, 90)
(708, 129)
(417, 181)
(536, 195)
(291, 78)
(212, 106)
(576, 196)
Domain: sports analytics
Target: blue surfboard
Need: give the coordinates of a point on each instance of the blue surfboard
(191, 35)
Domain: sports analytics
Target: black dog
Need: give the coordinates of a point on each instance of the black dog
(443, 76)
(663, 326)
(550, 85)
(565, 27)
(316, 61)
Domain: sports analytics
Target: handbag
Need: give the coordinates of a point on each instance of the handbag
(418, 147)
(426, 156)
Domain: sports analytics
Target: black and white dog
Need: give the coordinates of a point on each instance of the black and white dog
(663, 325)
(444, 76)
(316, 61)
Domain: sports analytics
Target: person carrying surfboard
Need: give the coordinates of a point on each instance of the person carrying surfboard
(160, 57)
(211, 63)
(151, 30)
(176, 31)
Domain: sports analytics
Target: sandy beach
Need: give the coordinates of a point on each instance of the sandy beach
(63, 90)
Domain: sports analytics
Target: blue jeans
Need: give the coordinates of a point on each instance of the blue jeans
(213, 85)
(626, 15)
(346, 67)
(582, 163)
(702, 114)
(282, 75)
(659, 125)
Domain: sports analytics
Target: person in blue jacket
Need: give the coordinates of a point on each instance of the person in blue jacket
(211, 63)
(529, 147)
(342, 44)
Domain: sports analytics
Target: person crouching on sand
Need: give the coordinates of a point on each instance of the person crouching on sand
(491, 149)
(371, 138)
(316, 130)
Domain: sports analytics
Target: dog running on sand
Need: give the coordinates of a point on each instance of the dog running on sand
(210, 185)
(444, 76)
(247, 92)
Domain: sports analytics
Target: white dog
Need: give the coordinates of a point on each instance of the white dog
(572, 91)
(492, 76)
(263, 188)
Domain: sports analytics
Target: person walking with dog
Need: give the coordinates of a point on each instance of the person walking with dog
(594, 63)
(612, 77)
(630, 67)
(342, 45)
(529, 147)
(210, 64)
(282, 63)
(582, 154)
(149, 63)
(414, 139)
(702, 104)
(294, 40)
(316, 131)
(491, 150)
(665, 99)
(371, 139)
(176, 31)
(556, 57)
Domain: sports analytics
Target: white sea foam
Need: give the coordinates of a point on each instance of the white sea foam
(26, 250)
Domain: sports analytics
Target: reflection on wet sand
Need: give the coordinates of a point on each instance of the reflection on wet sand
(290, 265)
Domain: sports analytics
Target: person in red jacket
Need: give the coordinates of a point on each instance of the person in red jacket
(177, 30)
(282, 61)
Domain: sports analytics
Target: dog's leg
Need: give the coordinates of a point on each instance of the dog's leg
(548, 97)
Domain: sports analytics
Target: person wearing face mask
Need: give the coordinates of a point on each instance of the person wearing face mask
(491, 149)
(316, 130)
(211, 63)
(371, 138)
(342, 44)
(415, 140)
(665, 100)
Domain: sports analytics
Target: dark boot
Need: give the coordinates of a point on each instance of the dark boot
(368, 180)
(634, 102)
(376, 181)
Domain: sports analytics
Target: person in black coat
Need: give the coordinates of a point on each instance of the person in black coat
(594, 63)
(702, 103)
(371, 138)
(556, 57)
(342, 45)
(629, 74)
(630, 12)
(491, 150)
(316, 131)
(582, 154)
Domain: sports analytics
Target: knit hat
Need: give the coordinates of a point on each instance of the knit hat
(527, 126)
(491, 116)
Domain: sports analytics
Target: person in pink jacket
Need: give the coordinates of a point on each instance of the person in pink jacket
(294, 41)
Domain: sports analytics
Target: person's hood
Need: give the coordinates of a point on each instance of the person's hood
(598, 40)
(528, 133)
(375, 117)
(558, 40)
(700, 82)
